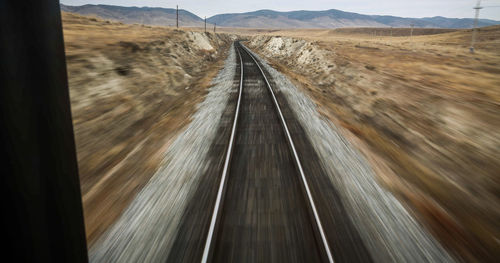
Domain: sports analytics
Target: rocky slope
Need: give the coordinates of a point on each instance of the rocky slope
(386, 228)
(423, 113)
(133, 88)
(147, 229)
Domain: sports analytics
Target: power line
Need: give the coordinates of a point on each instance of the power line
(476, 18)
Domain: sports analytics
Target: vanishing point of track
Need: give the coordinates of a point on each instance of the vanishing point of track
(264, 209)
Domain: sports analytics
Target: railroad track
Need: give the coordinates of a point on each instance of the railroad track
(264, 210)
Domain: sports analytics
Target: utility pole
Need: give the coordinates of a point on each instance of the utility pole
(205, 24)
(177, 17)
(391, 31)
(474, 30)
(215, 25)
(411, 31)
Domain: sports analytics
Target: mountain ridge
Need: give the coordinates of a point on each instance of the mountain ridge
(142, 15)
(266, 18)
(334, 18)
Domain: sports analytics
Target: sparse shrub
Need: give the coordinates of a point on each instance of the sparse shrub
(123, 70)
(370, 67)
(133, 46)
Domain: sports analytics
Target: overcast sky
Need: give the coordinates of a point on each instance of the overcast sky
(404, 8)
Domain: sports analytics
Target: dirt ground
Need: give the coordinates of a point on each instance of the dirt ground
(423, 110)
(133, 88)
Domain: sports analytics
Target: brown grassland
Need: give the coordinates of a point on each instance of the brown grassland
(423, 110)
(132, 88)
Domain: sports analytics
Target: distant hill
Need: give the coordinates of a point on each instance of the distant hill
(139, 15)
(269, 19)
(336, 19)
(294, 19)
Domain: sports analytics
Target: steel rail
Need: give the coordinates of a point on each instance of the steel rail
(297, 160)
(220, 192)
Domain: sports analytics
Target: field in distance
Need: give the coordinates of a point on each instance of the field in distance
(422, 109)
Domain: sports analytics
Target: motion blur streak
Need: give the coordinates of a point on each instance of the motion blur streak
(423, 112)
(145, 230)
(390, 233)
(396, 128)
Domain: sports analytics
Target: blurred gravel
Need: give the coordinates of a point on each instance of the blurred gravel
(145, 231)
(387, 229)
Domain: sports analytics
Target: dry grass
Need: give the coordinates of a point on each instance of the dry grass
(425, 108)
(133, 88)
(348, 31)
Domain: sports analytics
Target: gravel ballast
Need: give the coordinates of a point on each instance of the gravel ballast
(387, 229)
(145, 231)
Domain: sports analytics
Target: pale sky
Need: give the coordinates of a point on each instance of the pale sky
(404, 8)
